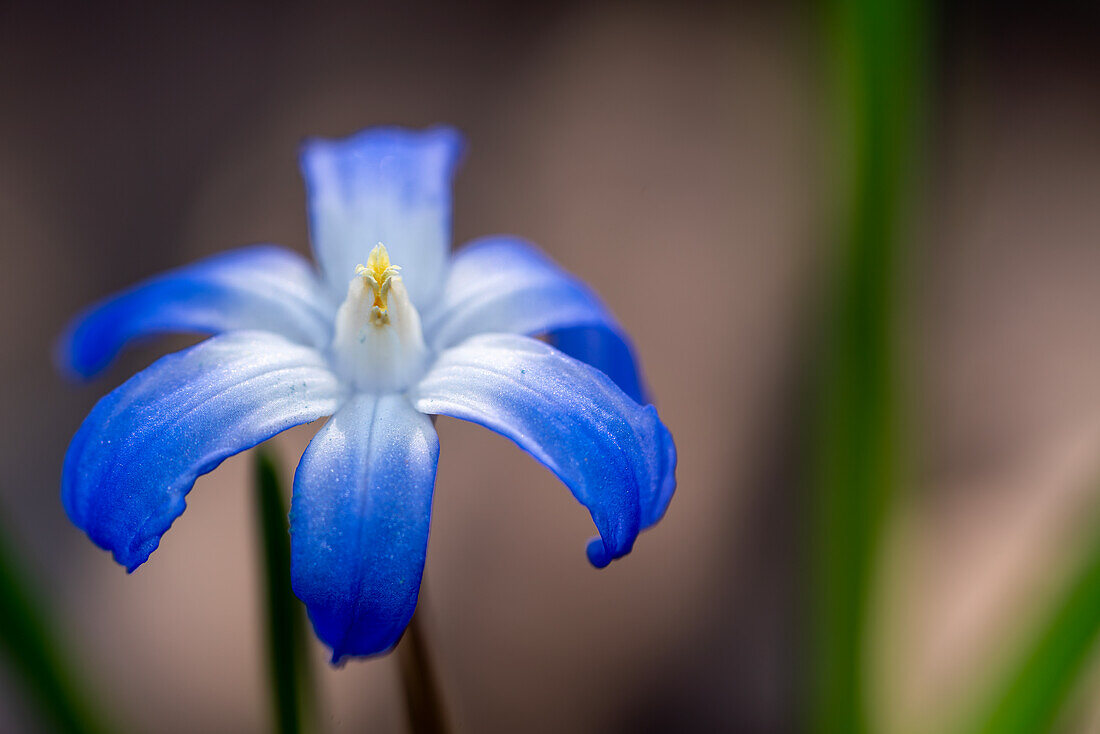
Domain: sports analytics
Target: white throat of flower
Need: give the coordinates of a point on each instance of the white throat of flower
(378, 345)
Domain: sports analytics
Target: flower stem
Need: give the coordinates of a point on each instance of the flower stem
(1029, 691)
(292, 691)
(30, 647)
(875, 55)
(422, 699)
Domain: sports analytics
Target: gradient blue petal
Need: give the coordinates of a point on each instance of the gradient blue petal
(615, 455)
(383, 185)
(359, 522)
(138, 453)
(260, 287)
(608, 350)
(506, 285)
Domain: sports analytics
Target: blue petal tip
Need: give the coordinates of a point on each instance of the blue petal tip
(597, 553)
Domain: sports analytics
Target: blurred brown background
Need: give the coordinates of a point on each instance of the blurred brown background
(668, 153)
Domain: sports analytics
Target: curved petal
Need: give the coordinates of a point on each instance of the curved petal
(359, 522)
(616, 456)
(383, 185)
(139, 451)
(606, 349)
(503, 284)
(260, 287)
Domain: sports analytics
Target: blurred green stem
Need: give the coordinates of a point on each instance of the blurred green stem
(31, 648)
(1030, 693)
(873, 49)
(292, 691)
(422, 698)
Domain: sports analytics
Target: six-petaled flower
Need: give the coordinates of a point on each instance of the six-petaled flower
(392, 330)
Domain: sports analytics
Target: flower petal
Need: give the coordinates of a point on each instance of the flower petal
(139, 451)
(383, 185)
(616, 456)
(503, 284)
(261, 287)
(608, 350)
(359, 522)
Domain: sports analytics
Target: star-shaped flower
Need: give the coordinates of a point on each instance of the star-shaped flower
(384, 337)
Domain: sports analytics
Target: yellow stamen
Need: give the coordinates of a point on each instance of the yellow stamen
(379, 274)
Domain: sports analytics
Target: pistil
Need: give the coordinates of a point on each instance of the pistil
(378, 344)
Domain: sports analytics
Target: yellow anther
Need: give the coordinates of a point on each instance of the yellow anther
(379, 274)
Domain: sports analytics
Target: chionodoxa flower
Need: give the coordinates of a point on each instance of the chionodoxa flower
(390, 331)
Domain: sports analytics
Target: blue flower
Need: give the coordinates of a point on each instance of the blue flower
(383, 337)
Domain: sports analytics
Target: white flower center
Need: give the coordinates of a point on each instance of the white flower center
(378, 345)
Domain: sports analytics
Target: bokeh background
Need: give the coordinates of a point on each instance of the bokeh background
(671, 155)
